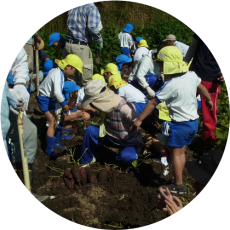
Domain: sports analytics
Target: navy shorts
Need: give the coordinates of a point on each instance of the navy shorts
(46, 104)
(182, 133)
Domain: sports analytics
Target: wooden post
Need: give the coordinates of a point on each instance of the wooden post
(23, 151)
(37, 66)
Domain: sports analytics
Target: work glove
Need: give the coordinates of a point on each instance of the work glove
(100, 46)
(151, 93)
(21, 95)
(16, 103)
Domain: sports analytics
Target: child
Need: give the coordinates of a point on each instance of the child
(129, 92)
(126, 40)
(146, 76)
(179, 93)
(50, 91)
(123, 63)
(142, 49)
(56, 40)
(118, 121)
(138, 39)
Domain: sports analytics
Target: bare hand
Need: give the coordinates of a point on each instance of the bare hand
(172, 207)
(93, 110)
(65, 108)
(221, 78)
(209, 104)
(149, 142)
(161, 200)
(37, 38)
(137, 123)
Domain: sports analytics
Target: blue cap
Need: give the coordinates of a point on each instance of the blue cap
(138, 39)
(54, 37)
(48, 65)
(127, 28)
(69, 87)
(122, 59)
(10, 78)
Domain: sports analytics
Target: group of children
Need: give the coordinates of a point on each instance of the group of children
(119, 93)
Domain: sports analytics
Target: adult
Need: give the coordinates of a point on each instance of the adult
(118, 121)
(171, 41)
(58, 42)
(126, 40)
(84, 23)
(146, 74)
(142, 49)
(30, 51)
(43, 57)
(202, 172)
(205, 66)
(29, 48)
(14, 100)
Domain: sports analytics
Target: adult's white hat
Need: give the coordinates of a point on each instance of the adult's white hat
(170, 37)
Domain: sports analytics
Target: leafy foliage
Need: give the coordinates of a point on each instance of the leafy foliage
(153, 34)
(223, 119)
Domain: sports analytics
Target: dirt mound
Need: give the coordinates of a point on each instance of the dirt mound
(117, 200)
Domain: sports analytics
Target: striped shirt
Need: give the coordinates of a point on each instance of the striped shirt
(84, 23)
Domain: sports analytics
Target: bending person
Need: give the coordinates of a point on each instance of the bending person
(118, 120)
(146, 74)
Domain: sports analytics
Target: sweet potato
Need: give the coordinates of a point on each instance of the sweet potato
(91, 175)
(77, 187)
(72, 183)
(76, 173)
(68, 174)
(83, 176)
(68, 183)
(103, 175)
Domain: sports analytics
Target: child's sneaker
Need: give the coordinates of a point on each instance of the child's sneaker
(173, 188)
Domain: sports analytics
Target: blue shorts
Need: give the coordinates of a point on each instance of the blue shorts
(46, 104)
(182, 133)
(139, 107)
(125, 51)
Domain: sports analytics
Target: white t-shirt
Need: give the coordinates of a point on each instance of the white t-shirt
(179, 94)
(53, 84)
(182, 47)
(80, 95)
(139, 52)
(132, 94)
(126, 40)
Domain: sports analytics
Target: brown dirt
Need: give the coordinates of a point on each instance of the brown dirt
(121, 200)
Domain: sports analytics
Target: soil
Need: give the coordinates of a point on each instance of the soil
(120, 200)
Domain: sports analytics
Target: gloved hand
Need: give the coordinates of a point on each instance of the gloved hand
(100, 46)
(21, 95)
(151, 93)
(15, 103)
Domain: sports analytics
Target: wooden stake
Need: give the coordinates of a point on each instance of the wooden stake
(23, 151)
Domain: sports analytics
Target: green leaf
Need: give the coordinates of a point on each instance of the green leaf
(227, 126)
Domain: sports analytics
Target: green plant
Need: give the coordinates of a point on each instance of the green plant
(71, 154)
(184, 201)
(223, 115)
